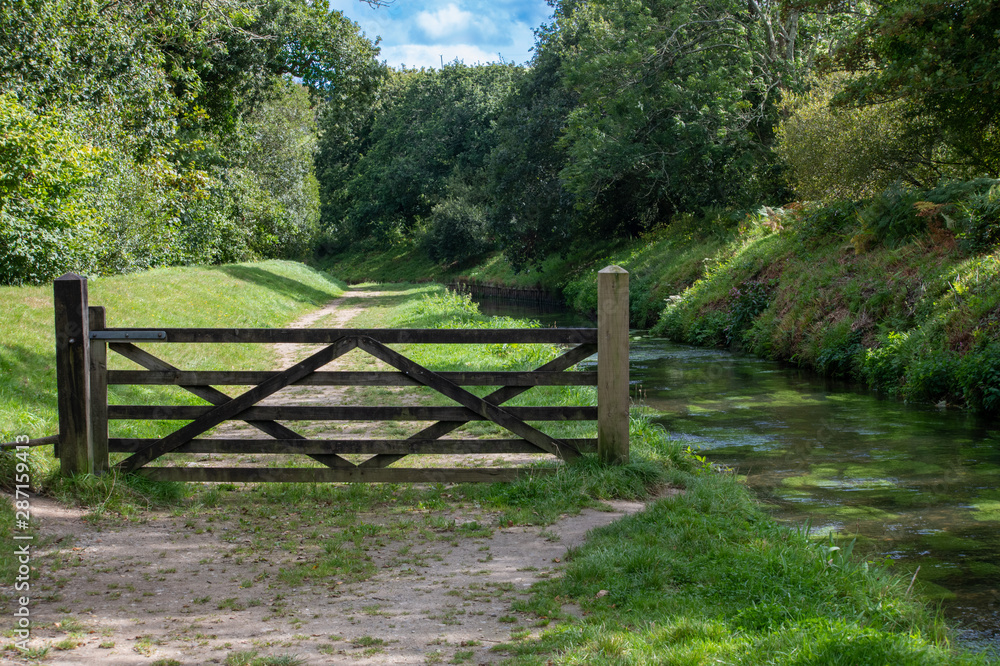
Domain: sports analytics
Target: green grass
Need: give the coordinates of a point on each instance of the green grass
(253, 658)
(707, 577)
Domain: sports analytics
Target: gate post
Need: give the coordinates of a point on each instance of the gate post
(74, 450)
(612, 365)
(98, 350)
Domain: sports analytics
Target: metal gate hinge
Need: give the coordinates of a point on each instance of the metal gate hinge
(121, 336)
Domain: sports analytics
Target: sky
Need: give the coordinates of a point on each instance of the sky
(420, 33)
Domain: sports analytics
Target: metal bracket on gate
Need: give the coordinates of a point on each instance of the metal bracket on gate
(123, 336)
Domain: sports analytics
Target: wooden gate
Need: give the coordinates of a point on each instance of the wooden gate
(83, 342)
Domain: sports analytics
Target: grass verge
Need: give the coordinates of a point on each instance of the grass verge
(706, 577)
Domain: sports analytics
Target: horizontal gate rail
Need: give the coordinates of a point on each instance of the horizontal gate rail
(348, 413)
(387, 336)
(321, 475)
(83, 341)
(376, 446)
(250, 378)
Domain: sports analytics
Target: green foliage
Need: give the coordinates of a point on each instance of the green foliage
(818, 222)
(933, 377)
(665, 125)
(849, 153)
(746, 302)
(206, 146)
(44, 169)
(980, 215)
(891, 217)
(458, 230)
(275, 144)
(531, 214)
(840, 352)
(429, 128)
(940, 59)
(979, 376)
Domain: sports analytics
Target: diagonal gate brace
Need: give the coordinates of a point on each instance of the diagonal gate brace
(467, 399)
(497, 397)
(241, 403)
(217, 397)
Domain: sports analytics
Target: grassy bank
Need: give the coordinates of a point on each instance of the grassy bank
(901, 292)
(708, 578)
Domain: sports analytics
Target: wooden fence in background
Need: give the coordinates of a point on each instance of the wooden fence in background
(83, 341)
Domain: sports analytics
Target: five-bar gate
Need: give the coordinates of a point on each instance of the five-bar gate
(83, 342)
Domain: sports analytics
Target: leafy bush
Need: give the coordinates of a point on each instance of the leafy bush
(883, 366)
(932, 378)
(746, 302)
(981, 220)
(44, 168)
(818, 221)
(840, 353)
(979, 378)
(458, 231)
(644, 306)
(891, 216)
(840, 153)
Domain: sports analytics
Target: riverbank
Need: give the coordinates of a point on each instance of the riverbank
(698, 575)
(908, 306)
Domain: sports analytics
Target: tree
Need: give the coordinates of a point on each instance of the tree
(943, 60)
(530, 214)
(853, 152)
(677, 101)
(275, 147)
(426, 128)
(208, 145)
(44, 168)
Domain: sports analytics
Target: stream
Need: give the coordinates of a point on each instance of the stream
(916, 486)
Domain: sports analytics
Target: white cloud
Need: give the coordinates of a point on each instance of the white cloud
(445, 21)
(431, 55)
(419, 32)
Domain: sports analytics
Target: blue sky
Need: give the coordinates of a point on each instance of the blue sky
(418, 33)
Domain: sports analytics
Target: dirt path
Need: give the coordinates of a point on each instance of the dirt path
(138, 593)
(190, 588)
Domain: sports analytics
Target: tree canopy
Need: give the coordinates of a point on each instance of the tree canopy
(943, 60)
(198, 119)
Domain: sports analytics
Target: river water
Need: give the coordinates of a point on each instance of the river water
(916, 485)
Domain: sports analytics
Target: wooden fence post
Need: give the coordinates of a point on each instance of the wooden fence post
(612, 365)
(98, 393)
(73, 374)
